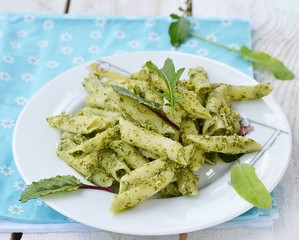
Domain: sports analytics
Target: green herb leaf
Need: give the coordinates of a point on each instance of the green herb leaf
(153, 106)
(169, 76)
(174, 16)
(49, 186)
(278, 69)
(178, 30)
(247, 184)
(126, 92)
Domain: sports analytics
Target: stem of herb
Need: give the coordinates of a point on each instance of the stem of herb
(108, 189)
(164, 117)
(215, 43)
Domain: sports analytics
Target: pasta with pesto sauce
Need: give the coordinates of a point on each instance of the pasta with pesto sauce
(117, 140)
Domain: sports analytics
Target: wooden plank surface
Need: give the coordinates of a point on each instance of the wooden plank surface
(125, 7)
(5, 236)
(36, 6)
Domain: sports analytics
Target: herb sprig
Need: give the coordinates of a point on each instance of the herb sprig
(153, 106)
(179, 31)
(56, 184)
(170, 77)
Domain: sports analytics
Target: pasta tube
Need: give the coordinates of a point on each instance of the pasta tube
(225, 144)
(187, 182)
(240, 93)
(100, 141)
(217, 99)
(141, 114)
(152, 142)
(113, 164)
(76, 123)
(131, 155)
(87, 166)
(152, 177)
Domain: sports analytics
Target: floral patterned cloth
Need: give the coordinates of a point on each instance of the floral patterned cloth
(35, 48)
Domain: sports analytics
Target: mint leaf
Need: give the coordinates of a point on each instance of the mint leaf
(169, 76)
(247, 184)
(126, 92)
(278, 69)
(49, 186)
(178, 30)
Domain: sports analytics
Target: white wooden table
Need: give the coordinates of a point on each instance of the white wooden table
(275, 30)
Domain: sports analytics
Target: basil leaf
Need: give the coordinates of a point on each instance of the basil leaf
(126, 92)
(278, 69)
(49, 186)
(179, 31)
(247, 184)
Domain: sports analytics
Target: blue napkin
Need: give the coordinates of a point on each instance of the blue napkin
(36, 48)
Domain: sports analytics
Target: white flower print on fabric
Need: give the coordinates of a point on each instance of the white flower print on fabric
(48, 24)
(32, 60)
(15, 44)
(40, 203)
(78, 60)
(119, 34)
(150, 23)
(192, 43)
(212, 37)
(7, 123)
(202, 52)
(19, 185)
(66, 37)
(15, 209)
(42, 43)
(195, 25)
(100, 22)
(4, 76)
(134, 44)
(94, 49)
(21, 100)
(153, 36)
(22, 33)
(226, 22)
(52, 64)
(7, 171)
(67, 50)
(8, 59)
(95, 35)
(29, 18)
(234, 46)
(27, 77)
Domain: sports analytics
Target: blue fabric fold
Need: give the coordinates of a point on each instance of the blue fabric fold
(35, 48)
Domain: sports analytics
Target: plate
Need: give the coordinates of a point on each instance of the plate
(34, 147)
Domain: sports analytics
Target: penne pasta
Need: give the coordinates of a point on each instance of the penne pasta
(131, 137)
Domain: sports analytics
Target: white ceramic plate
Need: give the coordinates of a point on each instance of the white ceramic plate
(34, 146)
